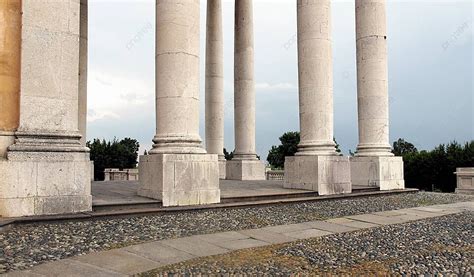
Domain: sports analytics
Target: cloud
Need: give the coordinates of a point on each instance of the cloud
(278, 87)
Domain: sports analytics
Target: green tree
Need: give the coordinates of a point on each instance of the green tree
(113, 154)
(428, 170)
(288, 147)
(402, 147)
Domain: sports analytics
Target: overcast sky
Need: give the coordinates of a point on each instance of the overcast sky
(430, 71)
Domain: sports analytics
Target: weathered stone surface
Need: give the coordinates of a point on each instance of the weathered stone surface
(45, 183)
(83, 62)
(195, 246)
(315, 71)
(215, 82)
(245, 170)
(244, 88)
(119, 261)
(465, 180)
(180, 179)
(378, 171)
(222, 169)
(324, 174)
(159, 253)
(177, 78)
(372, 78)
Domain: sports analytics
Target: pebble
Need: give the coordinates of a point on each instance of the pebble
(26, 245)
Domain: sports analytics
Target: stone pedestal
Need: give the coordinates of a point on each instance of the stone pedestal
(465, 180)
(383, 172)
(44, 183)
(245, 170)
(222, 169)
(180, 179)
(325, 174)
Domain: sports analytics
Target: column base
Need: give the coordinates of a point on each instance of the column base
(180, 179)
(45, 183)
(6, 139)
(325, 174)
(383, 172)
(222, 169)
(245, 170)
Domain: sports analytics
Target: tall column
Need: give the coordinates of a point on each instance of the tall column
(178, 171)
(215, 83)
(372, 79)
(10, 57)
(316, 165)
(244, 165)
(374, 164)
(83, 54)
(47, 170)
(315, 70)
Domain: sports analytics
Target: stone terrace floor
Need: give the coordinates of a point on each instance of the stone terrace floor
(125, 192)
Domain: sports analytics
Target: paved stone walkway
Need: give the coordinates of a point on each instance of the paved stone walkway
(144, 257)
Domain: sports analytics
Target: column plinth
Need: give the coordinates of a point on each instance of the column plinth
(178, 171)
(316, 165)
(245, 164)
(374, 164)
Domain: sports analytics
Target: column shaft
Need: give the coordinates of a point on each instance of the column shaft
(10, 58)
(214, 80)
(315, 72)
(177, 77)
(83, 54)
(244, 84)
(372, 78)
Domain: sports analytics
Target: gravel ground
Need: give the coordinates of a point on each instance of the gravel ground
(439, 246)
(28, 245)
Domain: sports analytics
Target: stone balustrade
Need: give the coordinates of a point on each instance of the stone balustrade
(115, 174)
(276, 175)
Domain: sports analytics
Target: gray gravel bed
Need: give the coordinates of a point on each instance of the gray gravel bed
(27, 245)
(440, 246)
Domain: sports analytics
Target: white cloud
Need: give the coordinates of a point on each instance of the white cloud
(275, 87)
(115, 97)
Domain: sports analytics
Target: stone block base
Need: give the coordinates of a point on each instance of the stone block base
(383, 172)
(245, 170)
(222, 169)
(465, 180)
(325, 174)
(44, 183)
(180, 179)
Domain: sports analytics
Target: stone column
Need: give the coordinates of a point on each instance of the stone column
(178, 170)
(47, 170)
(83, 54)
(215, 84)
(374, 164)
(245, 165)
(10, 58)
(316, 165)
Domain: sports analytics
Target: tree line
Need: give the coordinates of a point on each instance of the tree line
(426, 169)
